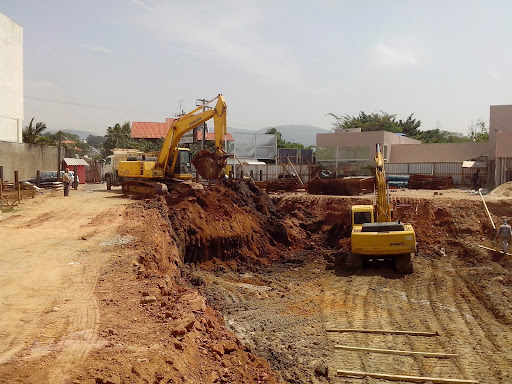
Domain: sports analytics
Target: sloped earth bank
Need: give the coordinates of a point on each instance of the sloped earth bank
(228, 285)
(275, 272)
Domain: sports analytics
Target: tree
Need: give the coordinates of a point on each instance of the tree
(439, 136)
(367, 122)
(32, 134)
(283, 143)
(274, 131)
(478, 131)
(95, 141)
(410, 127)
(118, 137)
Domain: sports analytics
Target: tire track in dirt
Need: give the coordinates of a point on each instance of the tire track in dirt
(450, 304)
(483, 327)
(82, 332)
(74, 319)
(66, 328)
(434, 299)
(423, 317)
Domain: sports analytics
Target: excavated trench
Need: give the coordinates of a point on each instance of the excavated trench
(273, 266)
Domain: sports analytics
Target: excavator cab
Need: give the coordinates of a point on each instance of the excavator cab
(362, 214)
(183, 167)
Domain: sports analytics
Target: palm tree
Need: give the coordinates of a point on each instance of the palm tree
(118, 136)
(31, 134)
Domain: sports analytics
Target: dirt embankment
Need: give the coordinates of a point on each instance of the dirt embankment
(248, 245)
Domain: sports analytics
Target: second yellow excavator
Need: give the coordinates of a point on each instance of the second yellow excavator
(375, 235)
(174, 163)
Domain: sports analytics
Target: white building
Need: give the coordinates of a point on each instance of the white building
(11, 80)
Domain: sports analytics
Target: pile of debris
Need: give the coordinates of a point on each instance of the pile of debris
(284, 185)
(347, 186)
(430, 182)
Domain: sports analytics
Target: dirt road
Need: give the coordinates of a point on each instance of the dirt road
(52, 250)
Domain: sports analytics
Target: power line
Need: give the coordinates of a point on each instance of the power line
(91, 105)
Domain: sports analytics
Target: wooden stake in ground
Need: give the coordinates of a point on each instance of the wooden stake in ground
(396, 352)
(494, 250)
(414, 379)
(485, 205)
(412, 333)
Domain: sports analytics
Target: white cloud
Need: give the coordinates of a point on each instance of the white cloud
(96, 48)
(229, 32)
(384, 55)
(492, 74)
(142, 4)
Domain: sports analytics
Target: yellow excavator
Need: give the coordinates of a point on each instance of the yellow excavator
(173, 163)
(375, 235)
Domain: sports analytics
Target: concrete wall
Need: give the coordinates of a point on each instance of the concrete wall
(27, 159)
(369, 139)
(438, 152)
(11, 80)
(500, 122)
(503, 144)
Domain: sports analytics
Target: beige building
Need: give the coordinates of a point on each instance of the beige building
(353, 146)
(11, 80)
(438, 152)
(500, 143)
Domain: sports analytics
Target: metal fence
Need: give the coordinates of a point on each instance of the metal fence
(269, 171)
(461, 176)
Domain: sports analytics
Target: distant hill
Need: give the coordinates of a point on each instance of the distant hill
(81, 134)
(303, 134)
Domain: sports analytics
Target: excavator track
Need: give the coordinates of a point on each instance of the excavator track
(146, 188)
(403, 264)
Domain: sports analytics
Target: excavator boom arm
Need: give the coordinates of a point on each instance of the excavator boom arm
(383, 208)
(190, 121)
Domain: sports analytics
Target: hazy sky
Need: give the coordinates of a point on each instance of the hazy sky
(276, 62)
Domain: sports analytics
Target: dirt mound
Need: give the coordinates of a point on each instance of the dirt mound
(504, 190)
(232, 221)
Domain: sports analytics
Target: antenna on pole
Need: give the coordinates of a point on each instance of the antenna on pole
(181, 112)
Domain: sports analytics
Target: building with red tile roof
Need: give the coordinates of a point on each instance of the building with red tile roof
(150, 130)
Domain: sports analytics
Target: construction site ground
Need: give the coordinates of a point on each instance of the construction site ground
(231, 285)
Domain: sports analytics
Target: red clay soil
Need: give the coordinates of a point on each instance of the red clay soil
(157, 328)
(238, 227)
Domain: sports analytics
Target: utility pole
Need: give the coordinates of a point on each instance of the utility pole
(180, 110)
(199, 103)
(58, 155)
(202, 102)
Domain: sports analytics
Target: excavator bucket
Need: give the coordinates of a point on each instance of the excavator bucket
(210, 165)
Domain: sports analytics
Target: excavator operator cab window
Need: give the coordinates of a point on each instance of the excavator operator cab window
(183, 164)
(362, 217)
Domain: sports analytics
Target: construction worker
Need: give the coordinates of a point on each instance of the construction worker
(504, 233)
(476, 180)
(66, 180)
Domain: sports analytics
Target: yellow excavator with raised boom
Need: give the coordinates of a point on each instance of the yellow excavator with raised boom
(375, 235)
(173, 163)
